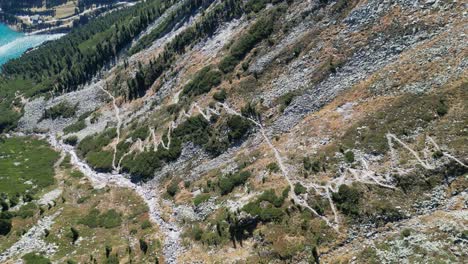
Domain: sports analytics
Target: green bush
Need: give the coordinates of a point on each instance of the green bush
(75, 127)
(239, 49)
(228, 182)
(256, 5)
(271, 197)
(349, 156)
(140, 133)
(267, 214)
(100, 161)
(8, 119)
(113, 259)
(228, 64)
(143, 245)
(442, 108)
(405, 232)
(146, 224)
(26, 211)
(195, 232)
(201, 198)
(311, 165)
(74, 234)
(286, 100)
(220, 96)
(77, 174)
(203, 82)
(63, 109)
(72, 140)
(238, 127)
(109, 219)
(97, 141)
(299, 189)
(347, 200)
(5, 226)
(173, 188)
(34, 258)
(273, 167)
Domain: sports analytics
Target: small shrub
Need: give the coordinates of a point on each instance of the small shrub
(273, 167)
(299, 189)
(438, 154)
(74, 234)
(109, 219)
(196, 233)
(349, 156)
(75, 127)
(63, 109)
(140, 133)
(201, 198)
(238, 127)
(286, 100)
(100, 161)
(347, 199)
(108, 250)
(187, 184)
(173, 188)
(203, 81)
(77, 174)
(72, 140)
(228, 64)
(5, 226)
(34, 258)
(143, 246)
(228, 182)
(405, 232)
(146, 224)
(442, 108)
(311, 165)
(220, 96)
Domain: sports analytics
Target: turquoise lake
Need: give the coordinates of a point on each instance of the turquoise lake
(13, 44)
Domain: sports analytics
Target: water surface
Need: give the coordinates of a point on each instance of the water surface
(13, 44)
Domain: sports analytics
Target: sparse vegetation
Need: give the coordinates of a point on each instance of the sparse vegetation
(228, 182)
(71, 140)
(108, 219)
(34, 258)
(203, 82)
(347, 199)
(75, 127)
(63, 109)
(201, 198)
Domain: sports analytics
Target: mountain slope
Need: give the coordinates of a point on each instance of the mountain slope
(282, 131)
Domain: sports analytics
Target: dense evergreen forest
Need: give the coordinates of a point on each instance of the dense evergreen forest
(208, 24)
(63, 65)
(15, 5)
(10, 5)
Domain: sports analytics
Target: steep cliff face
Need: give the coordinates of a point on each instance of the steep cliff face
(285, 131)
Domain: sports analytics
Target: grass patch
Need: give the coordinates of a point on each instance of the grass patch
(201, 198)
(109, 219)
(34, 258)
(25, 160)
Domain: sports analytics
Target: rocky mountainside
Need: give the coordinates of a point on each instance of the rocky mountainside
(299, 131)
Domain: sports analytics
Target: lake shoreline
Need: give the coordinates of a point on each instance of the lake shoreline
(16, 43)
